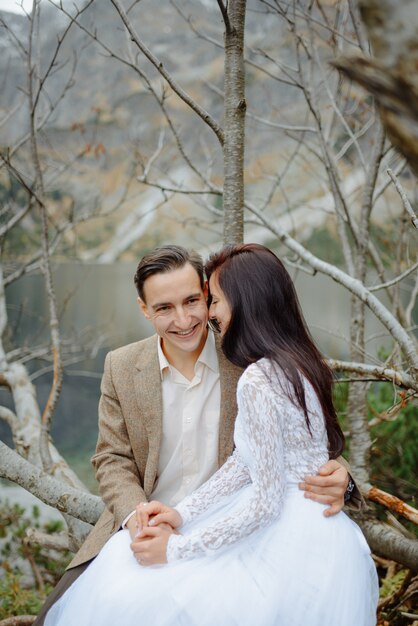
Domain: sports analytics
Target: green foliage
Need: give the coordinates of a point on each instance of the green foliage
(394, 453)
(393, 467)
(22, 240)
(325, 244)
(322, 240)
(28, 572)
(340, 397)
(393, 584)
(399, 591)
(15, 599)
(12, 191)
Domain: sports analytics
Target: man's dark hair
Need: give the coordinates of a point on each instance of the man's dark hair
(166, 259)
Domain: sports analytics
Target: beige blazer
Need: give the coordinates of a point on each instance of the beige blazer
(130, 429)
(130, 422)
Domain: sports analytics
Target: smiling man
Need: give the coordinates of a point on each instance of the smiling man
(167, 409)
(175, 303)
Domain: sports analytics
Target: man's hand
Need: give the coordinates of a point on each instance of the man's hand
(151, 546)
(155, 514)
(131, 525)
(327, 487)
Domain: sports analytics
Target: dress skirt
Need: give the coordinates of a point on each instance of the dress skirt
(301, 570)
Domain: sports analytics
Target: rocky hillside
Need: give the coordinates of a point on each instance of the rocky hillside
(100, 124)
(105, 123)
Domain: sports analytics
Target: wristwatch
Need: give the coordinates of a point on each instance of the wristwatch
(350, 488)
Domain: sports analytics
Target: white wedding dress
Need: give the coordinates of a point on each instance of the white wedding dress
(253, 551)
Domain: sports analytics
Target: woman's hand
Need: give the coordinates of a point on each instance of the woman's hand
(155, 514)
(150, 548)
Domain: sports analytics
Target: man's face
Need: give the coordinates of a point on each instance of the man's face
(176, 306)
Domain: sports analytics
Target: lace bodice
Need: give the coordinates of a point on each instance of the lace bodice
(273, 447)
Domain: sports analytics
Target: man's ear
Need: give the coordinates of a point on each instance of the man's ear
(206, 289)
(143, 308)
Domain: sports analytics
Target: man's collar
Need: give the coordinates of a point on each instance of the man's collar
(208, 356)
(162, 359)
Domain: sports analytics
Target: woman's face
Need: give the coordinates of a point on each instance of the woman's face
(219, 309)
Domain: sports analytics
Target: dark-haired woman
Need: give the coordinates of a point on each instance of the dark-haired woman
(252, 551)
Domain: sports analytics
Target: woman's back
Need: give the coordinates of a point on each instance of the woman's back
(264, 391)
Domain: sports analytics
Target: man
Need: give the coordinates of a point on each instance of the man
(167, 409)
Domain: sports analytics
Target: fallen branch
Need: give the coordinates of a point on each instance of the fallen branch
(53, 542)
(79, 504)
(18, 620)
(393, 504)
(387, 542)
(401, 379)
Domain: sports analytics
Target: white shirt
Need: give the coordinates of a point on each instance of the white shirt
(190, 426)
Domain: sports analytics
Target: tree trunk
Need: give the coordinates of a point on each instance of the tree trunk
(360, 442)
(234, 123)
(387, 542)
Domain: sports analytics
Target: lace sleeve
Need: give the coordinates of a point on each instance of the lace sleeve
(259, 413)
(228, 479)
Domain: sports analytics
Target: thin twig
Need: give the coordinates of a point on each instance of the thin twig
(225, 16)
(404, 198)
(395, 280)
(46, 265)
(200, 111)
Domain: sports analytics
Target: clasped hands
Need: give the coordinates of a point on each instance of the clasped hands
(155, 522)
(151, 527)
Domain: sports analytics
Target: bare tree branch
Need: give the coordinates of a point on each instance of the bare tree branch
(81, 505)
(204, 115)
(8, 416)
(19, 215)
(46, 267)
(395, 280)
(385, 541)
(53, 542)
(404, 198)
(411, 304)
(393, 504)
(381, 373)
(353, 285)
(225, 16)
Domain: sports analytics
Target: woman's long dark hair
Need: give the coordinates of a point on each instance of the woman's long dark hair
(266, 321)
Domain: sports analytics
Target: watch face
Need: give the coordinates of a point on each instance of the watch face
(349, 490)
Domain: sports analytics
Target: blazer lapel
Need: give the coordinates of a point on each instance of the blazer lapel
(229, 375)
(149, 399)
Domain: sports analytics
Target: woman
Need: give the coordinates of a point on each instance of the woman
(250, 549)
